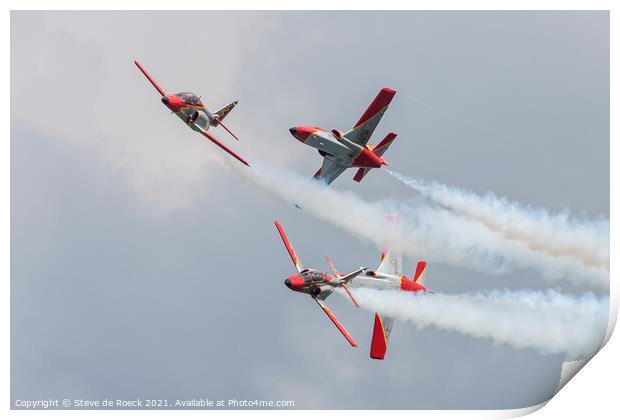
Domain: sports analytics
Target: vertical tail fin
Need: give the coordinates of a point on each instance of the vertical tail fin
(419, 271)
(223, 112)
(220, 114)
(380, 336)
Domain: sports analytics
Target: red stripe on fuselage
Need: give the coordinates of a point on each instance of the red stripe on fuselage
(367, 159)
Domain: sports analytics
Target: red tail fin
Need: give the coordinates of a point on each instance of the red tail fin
(380, 336)
(419, 271)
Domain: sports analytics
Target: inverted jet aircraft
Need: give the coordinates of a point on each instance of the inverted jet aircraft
(189, 108)
(317, 284)
(350, 150)
(388, 276)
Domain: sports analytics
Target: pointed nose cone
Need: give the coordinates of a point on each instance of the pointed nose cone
(302, 133)
(293, 282)
(173, 102)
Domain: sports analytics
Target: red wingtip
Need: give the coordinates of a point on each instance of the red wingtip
(288, 246)
(225, 148)
(148, 76)
(337, 323)
(382, 100)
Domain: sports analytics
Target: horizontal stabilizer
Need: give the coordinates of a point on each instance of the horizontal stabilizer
(360, 174)
(380, 148)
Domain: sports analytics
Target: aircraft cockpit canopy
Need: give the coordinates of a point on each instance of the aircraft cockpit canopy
(190, 98)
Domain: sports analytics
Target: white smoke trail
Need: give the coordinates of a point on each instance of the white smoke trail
(548, 322)
(433, 233)
(558, 235)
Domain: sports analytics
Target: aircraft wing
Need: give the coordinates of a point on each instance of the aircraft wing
(337, 323)
(380, 336)
(361, 132)
(289, 247)
(222, 145)
(330, 170)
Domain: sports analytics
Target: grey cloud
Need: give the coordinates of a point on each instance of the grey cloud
(141, 268)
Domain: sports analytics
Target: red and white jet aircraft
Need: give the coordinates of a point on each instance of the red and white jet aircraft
(317, 284)
(189, 108)
(388, 276)
(347, 150)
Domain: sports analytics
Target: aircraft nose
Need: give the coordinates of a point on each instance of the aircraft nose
(165, 100)
(301, 133)
(294, 281)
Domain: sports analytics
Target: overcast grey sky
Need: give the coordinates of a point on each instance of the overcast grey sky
(142, 269)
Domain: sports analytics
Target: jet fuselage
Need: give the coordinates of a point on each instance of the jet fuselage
(333, 145)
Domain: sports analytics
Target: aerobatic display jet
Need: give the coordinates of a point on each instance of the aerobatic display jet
(388, 276)
(317, 284)
(189, 108)
(350, 150)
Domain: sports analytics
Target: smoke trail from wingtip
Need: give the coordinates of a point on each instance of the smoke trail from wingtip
(549, 322)
(557, 235)
(433, 233)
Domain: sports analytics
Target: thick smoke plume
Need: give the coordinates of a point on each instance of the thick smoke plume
(549, 322)
(557, 235)
(431, 232)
